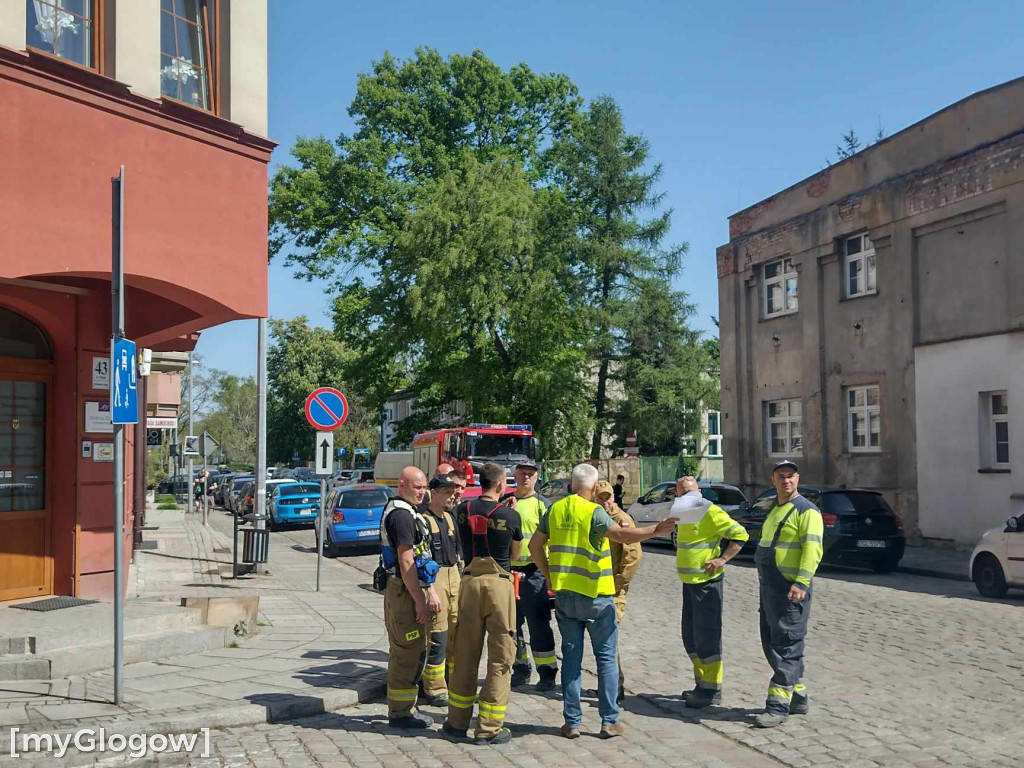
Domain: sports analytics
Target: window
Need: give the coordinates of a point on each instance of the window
(859, 266)
(780, 296)
(714, 433)
(187, 35)
(65, 28)
(995, 442)
(863, 421)
(784, 428)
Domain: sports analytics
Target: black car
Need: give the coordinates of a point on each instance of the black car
(177, 485)
(223, 484)
(860, 526)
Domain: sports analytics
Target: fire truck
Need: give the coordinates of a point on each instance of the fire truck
(470, 447)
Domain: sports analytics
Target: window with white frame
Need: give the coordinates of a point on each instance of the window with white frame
(784, 428)
(859, 266)
(996, 442)
(714, 434)
(863, 419)
(780, 289)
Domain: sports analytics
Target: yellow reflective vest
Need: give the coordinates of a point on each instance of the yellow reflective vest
(530, 511)
(696, 543)
(798, 547)
(574, 563)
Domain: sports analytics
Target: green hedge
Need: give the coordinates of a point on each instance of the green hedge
(165, 498)
(167, 506)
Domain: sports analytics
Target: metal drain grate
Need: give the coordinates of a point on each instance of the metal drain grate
(54, 603)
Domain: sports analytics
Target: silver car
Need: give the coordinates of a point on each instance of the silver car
(656, 503)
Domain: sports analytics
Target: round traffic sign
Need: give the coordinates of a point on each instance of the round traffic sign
(326, 409)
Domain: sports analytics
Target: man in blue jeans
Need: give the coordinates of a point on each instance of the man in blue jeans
(577, 565)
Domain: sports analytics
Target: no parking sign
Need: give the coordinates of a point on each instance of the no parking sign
(326, 409)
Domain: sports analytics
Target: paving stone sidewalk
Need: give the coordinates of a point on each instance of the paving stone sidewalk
(314, 652)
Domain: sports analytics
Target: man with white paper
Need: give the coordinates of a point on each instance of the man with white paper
(700, 563)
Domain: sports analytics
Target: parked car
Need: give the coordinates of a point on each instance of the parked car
(176, 484)
(354, 516)
(555, 489)
(244, 501)
(997, 563)
(223, 485)
(860, 526)
(238, 482)
(292, 503)
(305, 474)
(657, 502)
(283, 473)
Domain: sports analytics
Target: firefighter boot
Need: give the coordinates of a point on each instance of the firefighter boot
(547, 679)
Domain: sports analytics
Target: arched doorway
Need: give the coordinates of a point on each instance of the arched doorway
(26, 384)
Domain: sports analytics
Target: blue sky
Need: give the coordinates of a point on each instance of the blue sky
(738, 99)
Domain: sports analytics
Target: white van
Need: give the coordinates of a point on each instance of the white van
(389, 465)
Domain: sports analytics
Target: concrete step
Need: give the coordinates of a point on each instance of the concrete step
(90, 657)
(26, 632)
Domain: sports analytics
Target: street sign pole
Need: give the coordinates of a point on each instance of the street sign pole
(117, 317)
(324, 452)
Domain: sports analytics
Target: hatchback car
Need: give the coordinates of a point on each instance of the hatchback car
(238, 482)
(177, 484)
(860, 526)
(354, 520)
(997, 563)
(555, 489)
(655, 505)
(292, 503)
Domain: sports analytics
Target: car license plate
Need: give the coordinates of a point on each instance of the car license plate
(307, 511)
(870, 544)
(368, 532)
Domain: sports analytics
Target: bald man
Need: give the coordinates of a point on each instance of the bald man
(409, 597)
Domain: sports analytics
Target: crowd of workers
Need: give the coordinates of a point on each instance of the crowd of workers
(459, 575)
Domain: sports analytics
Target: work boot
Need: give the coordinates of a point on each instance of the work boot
(800, 705)
(440, 700)
(504, 736)
(547, 679)
(414, 720)
(571, 731)
(453, 733)
(621, 697)
(687, 694)
(769, 719)
(610, 730)
(520, 676)
(702, 697)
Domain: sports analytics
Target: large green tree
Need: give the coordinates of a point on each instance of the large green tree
(301, 358)
(430, 276)
(619, 253)
(232, 422)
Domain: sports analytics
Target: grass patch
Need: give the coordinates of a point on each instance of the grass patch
(167, 506)
(232, 644)
(165, 498)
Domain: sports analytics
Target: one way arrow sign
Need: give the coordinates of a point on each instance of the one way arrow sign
(324, 453)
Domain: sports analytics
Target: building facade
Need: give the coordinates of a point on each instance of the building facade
(175, 92)
(872, 326)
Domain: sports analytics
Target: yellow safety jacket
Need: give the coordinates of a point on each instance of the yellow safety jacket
(798, 547)
(696, 543)
(530, 511)
(574, 563)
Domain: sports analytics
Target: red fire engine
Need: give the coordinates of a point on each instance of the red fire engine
(469, 448)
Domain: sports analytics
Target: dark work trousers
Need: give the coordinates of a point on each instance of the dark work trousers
(702, 631)
(533, 608)
(783, 629)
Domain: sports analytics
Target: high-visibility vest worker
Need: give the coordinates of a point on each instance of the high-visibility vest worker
(787, 557)
(698, 557)
(576, 565)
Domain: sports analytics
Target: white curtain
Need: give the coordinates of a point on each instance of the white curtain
(50, 20)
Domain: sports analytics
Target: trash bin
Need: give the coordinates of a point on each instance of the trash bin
(255, 545)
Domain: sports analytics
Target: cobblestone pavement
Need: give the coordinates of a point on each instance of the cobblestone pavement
(902, 671)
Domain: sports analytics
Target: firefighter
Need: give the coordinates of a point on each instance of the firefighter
(700, 563)
(625, 561)
(787, 557)
(444, 545)
(409, 596)
(491, 536)
(533, 607)
(576, 532)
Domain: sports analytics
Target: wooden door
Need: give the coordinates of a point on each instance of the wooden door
(26, 569)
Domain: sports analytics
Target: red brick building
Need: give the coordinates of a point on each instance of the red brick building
(175, 91)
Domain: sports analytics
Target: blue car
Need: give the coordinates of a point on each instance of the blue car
(293, 503)
(354, 516)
